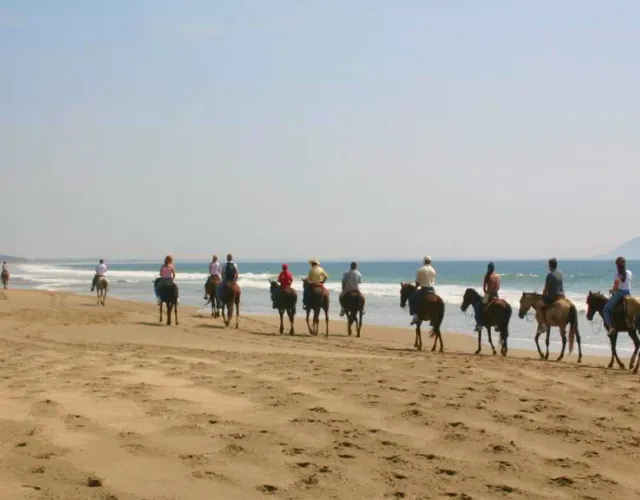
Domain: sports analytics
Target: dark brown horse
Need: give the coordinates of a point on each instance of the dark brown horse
(353, 305)
(496, 313)
(168, 294)
(561, 313)
(230, 295)
(5, 279)
(318, 299)
(285, 300)
(595, 304)
(430, 308)
(210, 290)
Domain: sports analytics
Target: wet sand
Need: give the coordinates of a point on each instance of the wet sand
(106, 403)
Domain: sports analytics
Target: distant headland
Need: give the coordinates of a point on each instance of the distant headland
(629, 250)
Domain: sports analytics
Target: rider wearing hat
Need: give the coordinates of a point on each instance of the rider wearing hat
(425, 281)
(316, 276)
(285, 278)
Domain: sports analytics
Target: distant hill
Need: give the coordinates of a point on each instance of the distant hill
(11, 258)
(629, 250)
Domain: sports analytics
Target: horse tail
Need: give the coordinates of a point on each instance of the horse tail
(439, 318)
(573, 326)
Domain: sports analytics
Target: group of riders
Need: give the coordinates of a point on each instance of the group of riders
(425, 283)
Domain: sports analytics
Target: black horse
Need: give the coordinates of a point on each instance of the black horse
(168, 294)
(496, 313)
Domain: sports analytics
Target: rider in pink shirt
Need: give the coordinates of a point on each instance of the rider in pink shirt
(167, 273)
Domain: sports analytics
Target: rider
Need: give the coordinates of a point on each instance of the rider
(425, 281)
(167, 275)
(621, 289)
(230, 274)
(490, 287)
(215, 274)
(285, 278)
(316, 276)
(5, 267)
(553, 290)
(101, 271)
(351, 281)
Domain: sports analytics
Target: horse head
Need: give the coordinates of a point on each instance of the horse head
(273, 285)
(595, 303)
(470, 296)
(527, 301)
(406, 290)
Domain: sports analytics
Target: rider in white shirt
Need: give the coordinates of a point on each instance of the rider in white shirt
(101, 270)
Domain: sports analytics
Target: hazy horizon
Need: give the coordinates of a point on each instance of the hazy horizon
(334, 130)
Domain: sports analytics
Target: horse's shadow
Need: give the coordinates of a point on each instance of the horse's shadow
(151, 323)
(212, 326)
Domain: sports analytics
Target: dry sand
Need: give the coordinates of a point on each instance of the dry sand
(199, 411)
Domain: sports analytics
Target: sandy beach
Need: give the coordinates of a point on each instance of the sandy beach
(106, 403)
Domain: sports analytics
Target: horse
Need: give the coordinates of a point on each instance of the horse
(230, 295)
(102, 287)
(211, 289)
(5, 279)
(318, 297)
(286, 300)
(168, 294)
(595, 304)
(353, 305)
(561, 313)
(495, 313)
(430, 308)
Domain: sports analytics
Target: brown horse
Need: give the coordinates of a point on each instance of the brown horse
(230, 295)
(285, 300)
(353, 305)
(318, 297)
(210, 290)
(595, 304)
(561, 313)
(496, 313)
(430, 308)
(102, 287)
(5, 279)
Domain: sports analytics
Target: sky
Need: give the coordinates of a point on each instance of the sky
(329, 129)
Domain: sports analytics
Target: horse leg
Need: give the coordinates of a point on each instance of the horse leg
(308, 325)
(538, 345)
(161, 316)
(290, 313)
(349, 323)
(237, 312)
(490, 339)
(326, 321)
(418, 336)
(563, 336)
(281, 313)
(175, 312)
(435, 342)
(546, 356)
(614, 338)
(479, 342)
(169, 308)
(359, 323)
(636, 343)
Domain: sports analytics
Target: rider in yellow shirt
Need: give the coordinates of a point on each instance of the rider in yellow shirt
(316, 276)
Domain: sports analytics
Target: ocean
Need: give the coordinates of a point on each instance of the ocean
(381, 284)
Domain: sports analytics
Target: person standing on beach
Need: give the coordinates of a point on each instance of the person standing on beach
(167, 275)
(101, 271)
(351, 281)
(490, 287)
(215, 274)
(285, 279)
(621, 289)
(316, 276)
(553, 290)
(425, 282)
(230, 273)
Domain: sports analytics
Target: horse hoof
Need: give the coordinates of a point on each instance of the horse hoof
(494, 352)
(477, 351)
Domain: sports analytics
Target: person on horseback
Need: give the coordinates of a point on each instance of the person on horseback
(351, 281)
(621, 289)
(285, 279)
(215, 274)
(425, 281)
(167, 275)
(553, 290)
(101, 270)
(5, 266)
(230, 274)
(490, 287)
(316, 276)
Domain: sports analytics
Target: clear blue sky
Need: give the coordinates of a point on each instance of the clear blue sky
(365, 129)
